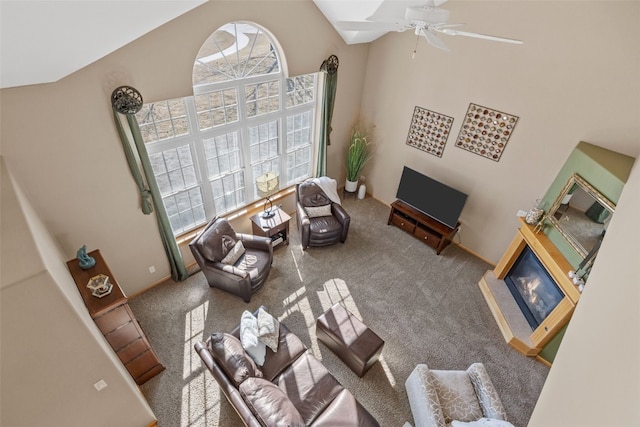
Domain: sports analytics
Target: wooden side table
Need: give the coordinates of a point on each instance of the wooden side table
(274, 227)
(116, 321)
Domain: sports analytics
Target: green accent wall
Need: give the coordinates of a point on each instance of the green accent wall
(550, 350)
(605, 170)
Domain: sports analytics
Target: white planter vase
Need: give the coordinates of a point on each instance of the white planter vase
(350, 186)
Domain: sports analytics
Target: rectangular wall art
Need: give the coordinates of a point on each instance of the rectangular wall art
(429, 131)
(486, 132)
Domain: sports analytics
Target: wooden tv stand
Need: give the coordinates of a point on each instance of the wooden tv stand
(420, 226)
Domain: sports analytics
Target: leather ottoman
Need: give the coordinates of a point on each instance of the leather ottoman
(350, 339)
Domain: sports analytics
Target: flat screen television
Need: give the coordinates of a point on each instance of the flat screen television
(433, 198)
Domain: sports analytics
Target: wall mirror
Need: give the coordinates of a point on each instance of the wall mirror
(581, 214)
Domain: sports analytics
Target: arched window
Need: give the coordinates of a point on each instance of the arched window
(246, 118)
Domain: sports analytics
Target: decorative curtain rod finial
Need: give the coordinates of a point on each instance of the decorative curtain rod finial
(332, 64)
(126, 100)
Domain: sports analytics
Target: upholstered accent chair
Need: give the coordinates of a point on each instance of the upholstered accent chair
(321, 220)
(442, 398)
(237, 263)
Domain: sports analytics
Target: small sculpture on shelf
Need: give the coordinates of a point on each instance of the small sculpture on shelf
(85, 261)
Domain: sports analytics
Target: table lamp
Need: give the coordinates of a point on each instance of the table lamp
(267, 184)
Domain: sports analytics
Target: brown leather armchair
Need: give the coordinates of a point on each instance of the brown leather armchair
(241, 277)
(319, 230)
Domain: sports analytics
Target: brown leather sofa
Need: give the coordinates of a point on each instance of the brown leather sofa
(320, 230)
(292, 388)
(244, 276)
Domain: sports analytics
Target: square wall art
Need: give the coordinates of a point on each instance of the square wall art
(485, 131)
(429, 131)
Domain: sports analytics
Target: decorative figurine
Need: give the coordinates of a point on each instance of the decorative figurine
(84, 260)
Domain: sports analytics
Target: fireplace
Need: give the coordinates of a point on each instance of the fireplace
(529, 293)
(533, 288)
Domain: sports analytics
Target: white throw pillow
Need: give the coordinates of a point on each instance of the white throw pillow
(268, 329)
(234, 254)
(249, 338)
(314, 211)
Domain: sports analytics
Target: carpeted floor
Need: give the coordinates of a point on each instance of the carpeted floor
(427, 308)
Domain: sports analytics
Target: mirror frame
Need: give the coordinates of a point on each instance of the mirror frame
(576, 179)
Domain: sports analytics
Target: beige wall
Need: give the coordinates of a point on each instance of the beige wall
(576, 78)
(52, 352)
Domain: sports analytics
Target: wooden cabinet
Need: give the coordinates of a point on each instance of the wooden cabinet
(420, 226)
(116, 321)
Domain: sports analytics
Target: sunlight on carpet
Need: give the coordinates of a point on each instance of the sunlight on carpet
(198, 384)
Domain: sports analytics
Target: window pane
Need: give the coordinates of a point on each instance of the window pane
(263, 141)
(300, 90)
(185, 210)
(174, 169)
(223, 154)
(235, 51)
(163, 120)
(262, 98)
(298, 147)
(228, 192)
(216, 108)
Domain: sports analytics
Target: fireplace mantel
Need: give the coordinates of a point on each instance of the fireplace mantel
(512, 323)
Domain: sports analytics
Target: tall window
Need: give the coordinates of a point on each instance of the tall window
(246, 118)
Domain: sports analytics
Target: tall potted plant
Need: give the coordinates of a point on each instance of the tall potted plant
(358, 154)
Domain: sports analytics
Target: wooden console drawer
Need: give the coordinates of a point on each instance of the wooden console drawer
(133, 349)
(123, 336)
(430, 239)
(142, 364)
(113, 319)
(403, 222)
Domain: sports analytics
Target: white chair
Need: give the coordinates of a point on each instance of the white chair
(438, 398)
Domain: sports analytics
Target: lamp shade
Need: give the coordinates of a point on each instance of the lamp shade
(267, 184)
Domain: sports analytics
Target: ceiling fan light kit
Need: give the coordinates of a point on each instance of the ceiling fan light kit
(427, 21)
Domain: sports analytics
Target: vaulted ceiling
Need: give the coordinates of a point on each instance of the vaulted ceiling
(42, 41)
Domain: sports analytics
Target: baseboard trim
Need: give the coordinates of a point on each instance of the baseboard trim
(543, 361)
(475, 254)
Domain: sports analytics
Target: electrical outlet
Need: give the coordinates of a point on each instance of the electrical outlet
(152, 269)
(100, 385)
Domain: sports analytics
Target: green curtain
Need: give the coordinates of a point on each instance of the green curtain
(330, 67)
(151, 198)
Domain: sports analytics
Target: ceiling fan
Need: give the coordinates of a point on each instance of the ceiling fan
(427, 20)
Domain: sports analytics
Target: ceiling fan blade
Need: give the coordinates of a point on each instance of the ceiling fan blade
(451, 32)
(433, 39)
(372, 26)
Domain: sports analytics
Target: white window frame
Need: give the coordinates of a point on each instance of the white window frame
(196, 137)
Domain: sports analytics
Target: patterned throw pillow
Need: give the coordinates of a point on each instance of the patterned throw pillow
(315, 211)
(234, 254)
(249, 338)
(268, 329)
